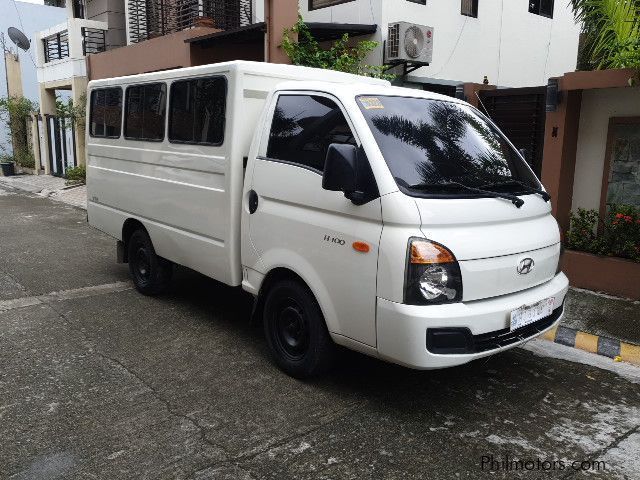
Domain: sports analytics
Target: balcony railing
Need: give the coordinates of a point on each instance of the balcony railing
(56, 46)
(93, 40)
(154, 18)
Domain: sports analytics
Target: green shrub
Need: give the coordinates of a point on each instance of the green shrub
(341, 55)
(76, 174)
(25, 159)
(617, 235)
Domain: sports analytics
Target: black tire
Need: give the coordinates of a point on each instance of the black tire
(151, 274)
(296, 331)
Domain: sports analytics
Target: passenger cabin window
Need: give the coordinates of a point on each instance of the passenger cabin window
(197, 111)
(303, 128)
(541, 7)
(105, 112)
(145, 107)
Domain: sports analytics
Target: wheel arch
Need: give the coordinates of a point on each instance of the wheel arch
(280, 273)
(129, 226)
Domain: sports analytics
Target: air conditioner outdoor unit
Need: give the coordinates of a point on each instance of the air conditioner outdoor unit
(409, 42)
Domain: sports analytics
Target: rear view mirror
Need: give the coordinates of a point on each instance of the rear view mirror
(340, 169)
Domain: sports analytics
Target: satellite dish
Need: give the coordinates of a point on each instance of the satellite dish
(19, 38)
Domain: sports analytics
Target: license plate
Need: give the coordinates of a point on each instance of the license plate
(523, 316)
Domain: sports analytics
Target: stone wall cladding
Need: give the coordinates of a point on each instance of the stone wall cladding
(624, 174)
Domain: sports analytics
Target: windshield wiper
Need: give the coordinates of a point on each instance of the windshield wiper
(518, 202)
(528, 188)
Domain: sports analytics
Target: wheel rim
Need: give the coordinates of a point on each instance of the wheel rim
(291, 332)
(142, 264)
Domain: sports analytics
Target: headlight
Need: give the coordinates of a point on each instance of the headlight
(433, 274)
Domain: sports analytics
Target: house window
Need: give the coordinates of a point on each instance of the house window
(144, 112)
(303, 127)
(541, 7)
(105, 112)
(469, 8)
(197, 111)
(421, 2)
(316, 4)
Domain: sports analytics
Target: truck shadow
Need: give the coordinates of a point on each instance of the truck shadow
(221, 306)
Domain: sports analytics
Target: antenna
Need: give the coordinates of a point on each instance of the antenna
(19, 38)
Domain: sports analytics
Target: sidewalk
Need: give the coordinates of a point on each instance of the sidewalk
(49, 186)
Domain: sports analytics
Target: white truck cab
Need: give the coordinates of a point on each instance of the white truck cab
(395, 222)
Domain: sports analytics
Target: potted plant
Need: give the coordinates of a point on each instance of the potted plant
(7, 166)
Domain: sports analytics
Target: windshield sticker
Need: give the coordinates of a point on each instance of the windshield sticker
(371, 103)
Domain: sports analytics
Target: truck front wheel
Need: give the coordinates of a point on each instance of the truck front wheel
(296, 332)
(151, 274)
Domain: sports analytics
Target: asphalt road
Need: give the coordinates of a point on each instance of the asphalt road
(99, 382)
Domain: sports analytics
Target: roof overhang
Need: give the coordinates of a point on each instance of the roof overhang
(255, 32)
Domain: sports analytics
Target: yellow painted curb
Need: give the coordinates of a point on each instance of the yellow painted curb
(587, 342)
(630, 353)
(551, 334)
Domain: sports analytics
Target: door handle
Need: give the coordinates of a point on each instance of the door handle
(253, 201)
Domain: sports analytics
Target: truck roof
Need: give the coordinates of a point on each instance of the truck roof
(353, 89)
(286, 72)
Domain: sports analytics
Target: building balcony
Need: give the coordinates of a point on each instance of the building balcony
(147, 19)
(61, 50)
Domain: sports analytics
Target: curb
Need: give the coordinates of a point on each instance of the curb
(607, 347)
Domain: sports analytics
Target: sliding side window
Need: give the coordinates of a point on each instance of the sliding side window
(145, 107)
(105, 112)
(197, 111)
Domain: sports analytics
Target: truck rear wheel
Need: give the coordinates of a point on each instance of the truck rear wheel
(296, 331)
(151, 274)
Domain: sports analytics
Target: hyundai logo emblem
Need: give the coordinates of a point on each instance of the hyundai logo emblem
(525, 266)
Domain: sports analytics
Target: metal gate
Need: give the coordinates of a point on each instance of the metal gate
(520, 114)
(62, 151)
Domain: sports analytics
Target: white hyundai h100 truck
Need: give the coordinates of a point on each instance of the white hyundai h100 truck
(396, 222)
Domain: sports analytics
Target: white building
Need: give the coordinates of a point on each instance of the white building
(514, 43)
(91, 26)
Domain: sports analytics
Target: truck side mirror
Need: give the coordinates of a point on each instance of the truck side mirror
(340, 169)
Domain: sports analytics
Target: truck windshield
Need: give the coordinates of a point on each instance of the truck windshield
(439, 148)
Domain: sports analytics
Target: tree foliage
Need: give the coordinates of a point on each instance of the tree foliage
(70, 111)
(14, 112)
(341, 55)
(611, 31)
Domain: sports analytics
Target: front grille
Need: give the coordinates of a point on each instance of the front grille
(445, 341)
(502, 338)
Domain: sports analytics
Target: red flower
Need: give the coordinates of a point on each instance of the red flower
(628, 219)
(615, 222)
(619, 215)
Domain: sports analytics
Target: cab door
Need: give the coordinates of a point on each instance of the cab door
(297, 225)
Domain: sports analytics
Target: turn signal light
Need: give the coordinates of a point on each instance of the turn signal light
(426, 253)
(361, 247)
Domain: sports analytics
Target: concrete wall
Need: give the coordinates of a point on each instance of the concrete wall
(509, 45)
(598, 106)
(112, 12)
(162, 53)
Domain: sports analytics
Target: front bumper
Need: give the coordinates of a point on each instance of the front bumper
(402, 329)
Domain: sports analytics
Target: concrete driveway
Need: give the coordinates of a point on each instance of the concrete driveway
(99, 382)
